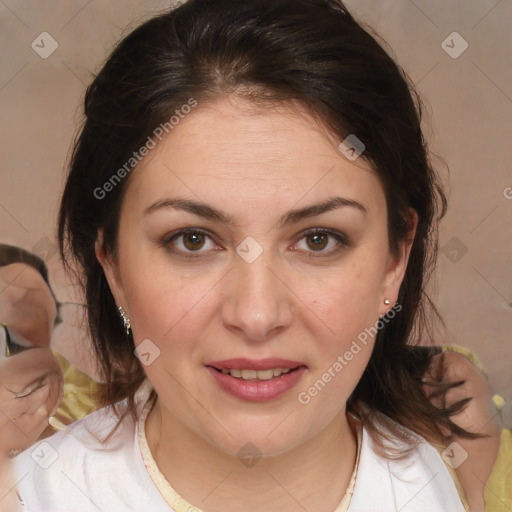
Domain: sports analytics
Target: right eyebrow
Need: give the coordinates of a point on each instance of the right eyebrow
(209, 212)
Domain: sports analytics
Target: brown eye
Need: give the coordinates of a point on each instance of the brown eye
(193, 240)
(186, 242)
(322, 242)
(318, 241)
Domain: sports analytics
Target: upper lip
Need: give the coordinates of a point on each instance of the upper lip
(241, 363)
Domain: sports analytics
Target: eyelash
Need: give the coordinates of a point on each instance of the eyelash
(340, 237)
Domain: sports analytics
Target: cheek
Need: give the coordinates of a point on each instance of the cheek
(342, 349)
(163, 304)
(347, 300)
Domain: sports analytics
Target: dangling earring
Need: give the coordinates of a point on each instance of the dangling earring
(126, 320)
(387, 302)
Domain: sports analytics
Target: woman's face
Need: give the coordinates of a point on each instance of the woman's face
(220, 268)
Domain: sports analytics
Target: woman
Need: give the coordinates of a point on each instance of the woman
(252, 208)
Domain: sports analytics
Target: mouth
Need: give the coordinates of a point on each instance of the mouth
(256, 380)
(248, 374)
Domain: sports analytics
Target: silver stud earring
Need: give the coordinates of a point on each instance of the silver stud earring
(126, 320)
(387, 302)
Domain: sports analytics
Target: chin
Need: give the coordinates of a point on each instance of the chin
(258, 438)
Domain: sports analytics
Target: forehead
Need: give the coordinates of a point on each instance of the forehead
(234, 149)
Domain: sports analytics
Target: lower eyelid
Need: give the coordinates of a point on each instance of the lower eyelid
(168, 241)
(340, 238)
(323, 252)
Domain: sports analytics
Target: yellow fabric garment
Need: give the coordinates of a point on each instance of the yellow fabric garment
(498, 489)
(79, 398)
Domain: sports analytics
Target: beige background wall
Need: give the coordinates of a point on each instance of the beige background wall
(469, 109)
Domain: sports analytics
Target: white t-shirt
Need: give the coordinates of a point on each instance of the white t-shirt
(73, 471)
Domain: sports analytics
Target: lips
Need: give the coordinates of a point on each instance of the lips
(254, 364)
(256, 380)
(248, 374)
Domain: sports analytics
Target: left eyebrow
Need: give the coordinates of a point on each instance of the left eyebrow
(313, 210)
(293, 216)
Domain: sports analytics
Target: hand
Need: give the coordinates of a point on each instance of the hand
(31, 388)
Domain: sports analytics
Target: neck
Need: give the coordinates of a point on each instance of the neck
(312, 476)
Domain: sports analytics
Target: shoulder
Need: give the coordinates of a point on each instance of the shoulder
(77, 470)
(56, 472)
(416, 482)
(85, 437)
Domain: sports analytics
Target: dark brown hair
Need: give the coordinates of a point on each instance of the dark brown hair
(308, 51)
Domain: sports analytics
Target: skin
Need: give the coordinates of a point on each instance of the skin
(255, 165)
(28, 309)
(27, 305)
(478, 416)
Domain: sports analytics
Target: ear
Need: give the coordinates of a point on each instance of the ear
(110, 269)
(396, 267)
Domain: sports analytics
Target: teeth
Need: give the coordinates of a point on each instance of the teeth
(256, 374)
(248, 374)
(263, 374)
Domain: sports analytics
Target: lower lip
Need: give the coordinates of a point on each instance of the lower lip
(257, 390)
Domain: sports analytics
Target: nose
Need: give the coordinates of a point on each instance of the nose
(258, 302)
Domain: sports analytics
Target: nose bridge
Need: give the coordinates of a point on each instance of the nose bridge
(257, 301)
